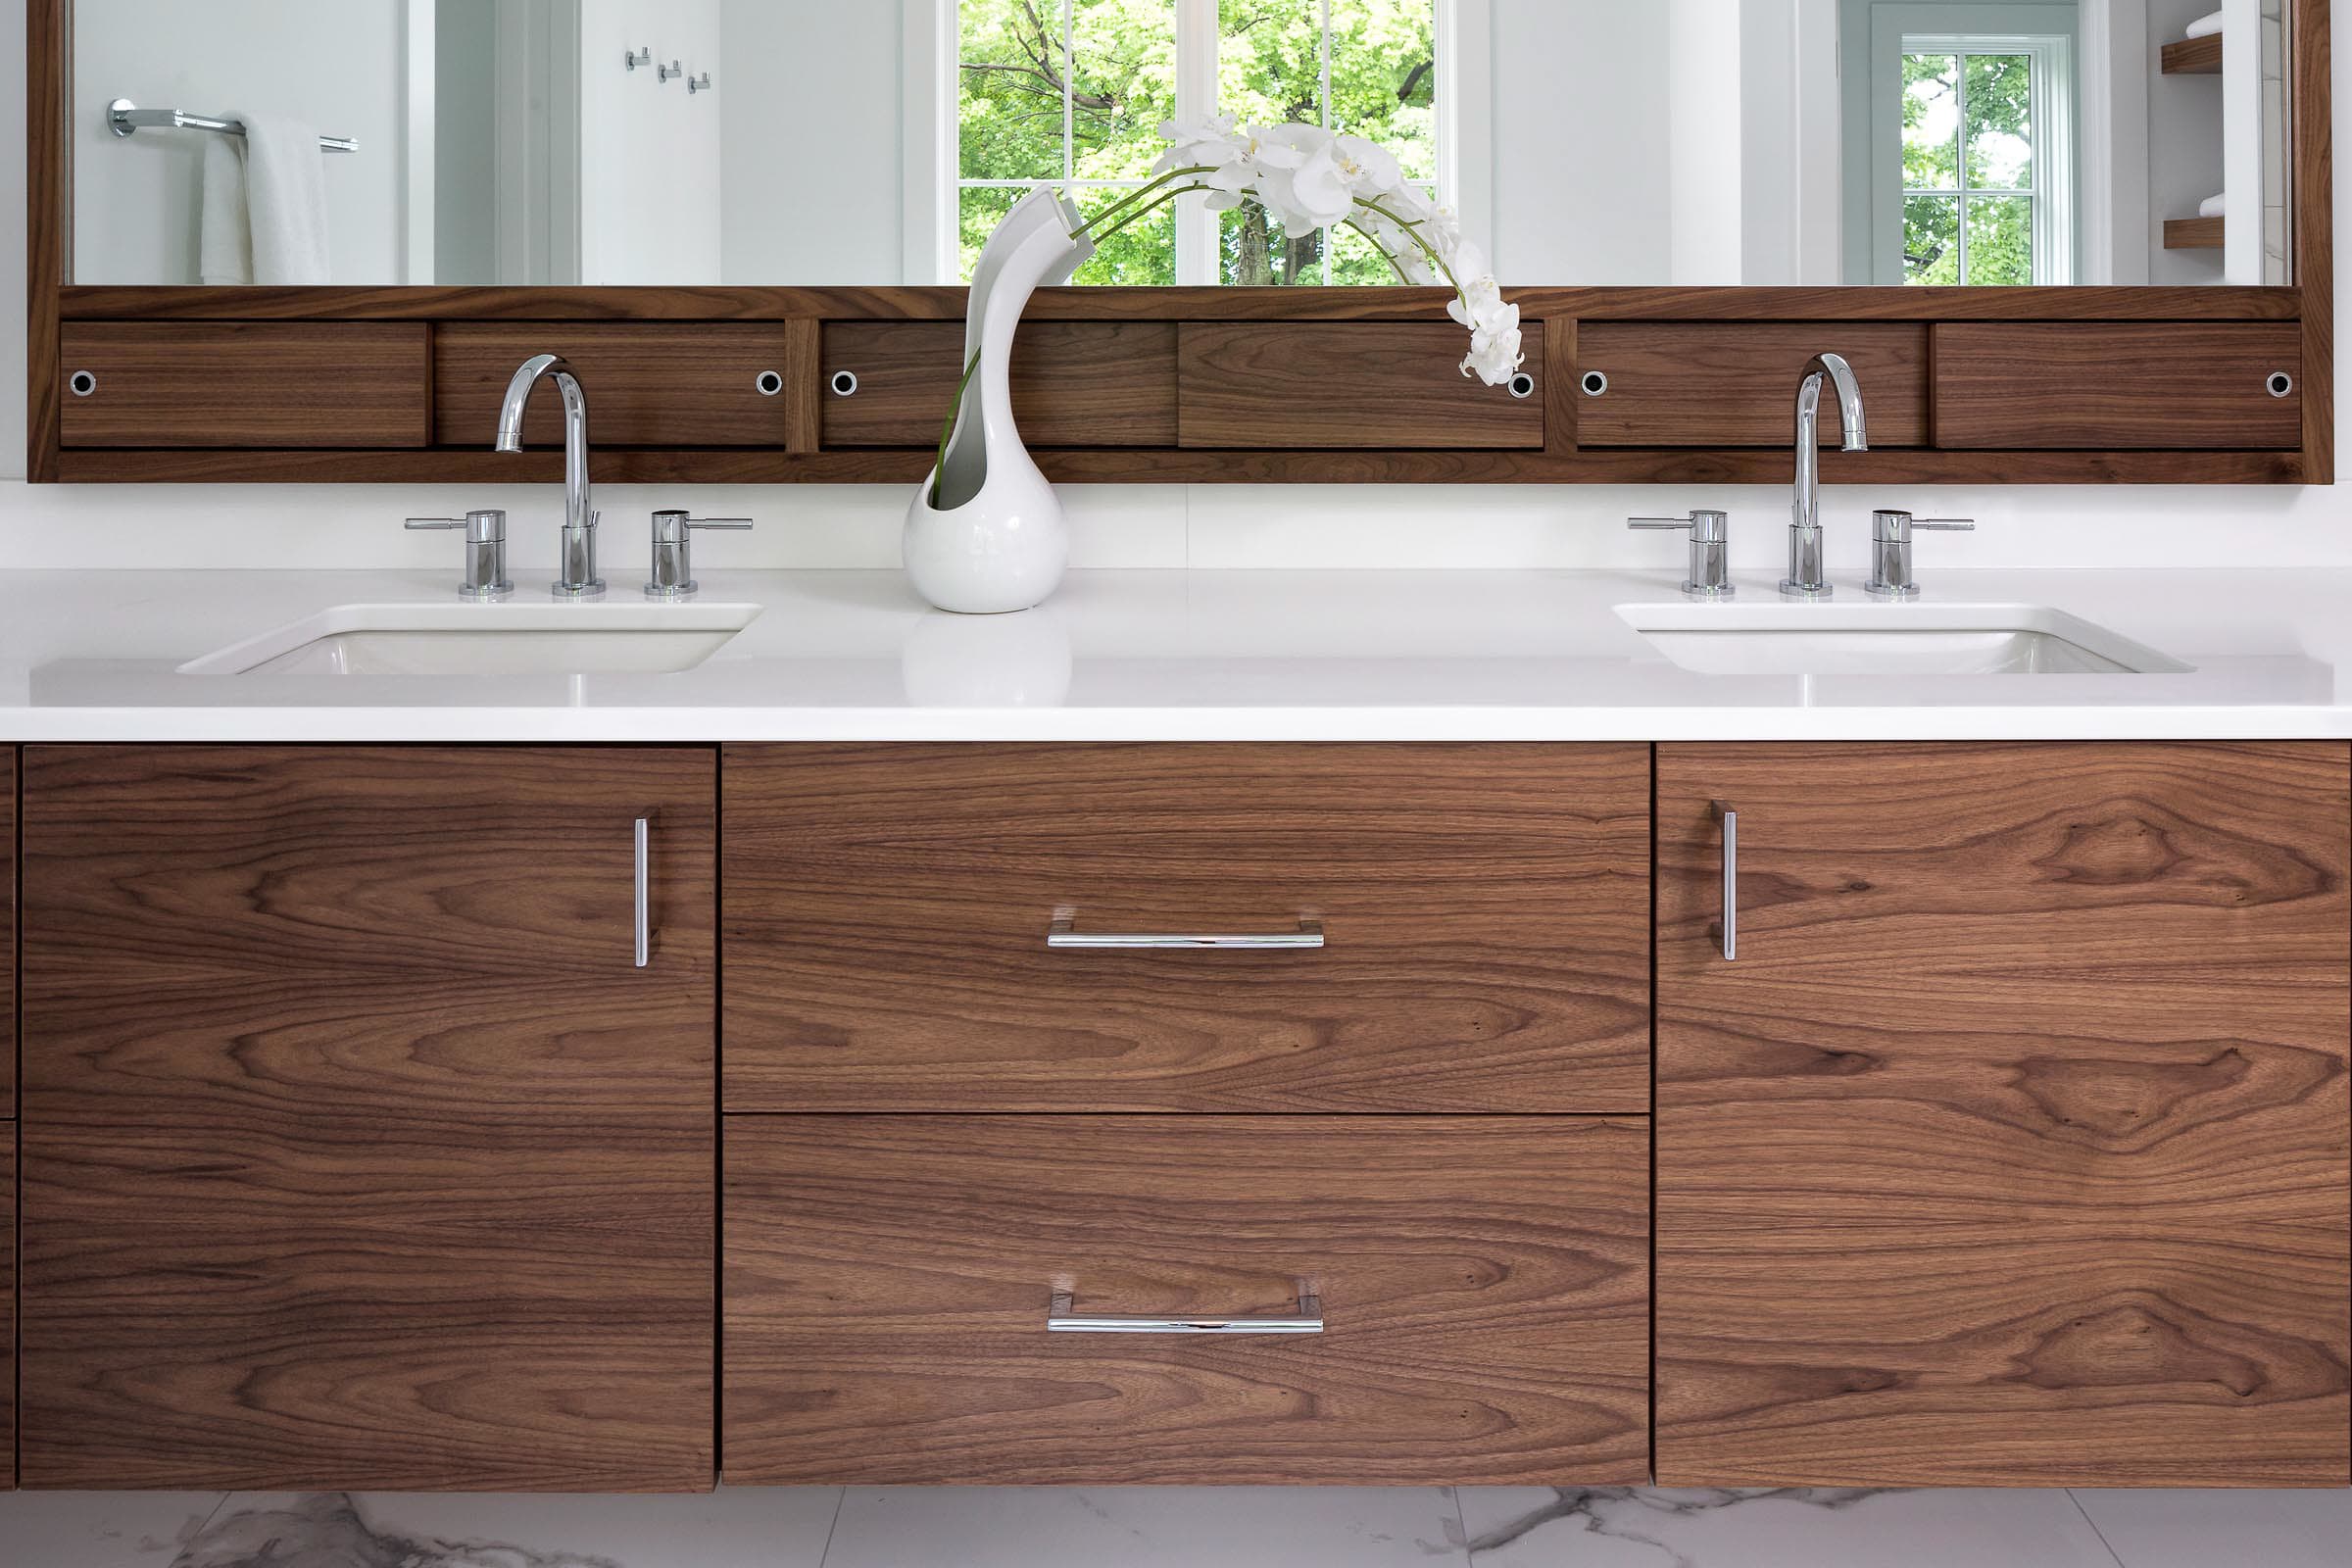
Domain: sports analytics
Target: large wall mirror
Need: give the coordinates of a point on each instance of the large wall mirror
(820, 142)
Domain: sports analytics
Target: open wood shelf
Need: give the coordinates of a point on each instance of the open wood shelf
(2193, 233)
(2193, 57)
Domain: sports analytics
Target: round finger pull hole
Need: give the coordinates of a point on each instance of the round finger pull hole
(1594, 383)
(1523, 385)
(83, 383)
(770, 383)
(2280, 384)
(845, 383)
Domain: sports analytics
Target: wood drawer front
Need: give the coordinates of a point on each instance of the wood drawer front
(648, 384)
(1279, 386)
(2117, 386)
(1483, 1281)
(8, 1306)
(359, 1152)
(1485, 909)
(359, 384)
(1729, 384)
(1074, 383)
(2012, 1150)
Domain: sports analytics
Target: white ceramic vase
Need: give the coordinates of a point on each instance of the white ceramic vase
(985, 533)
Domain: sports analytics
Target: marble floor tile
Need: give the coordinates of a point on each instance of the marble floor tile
(1618, 1527)
(783, 1527)
(100, 1529)
(1146, 1527)
(2193, 1528)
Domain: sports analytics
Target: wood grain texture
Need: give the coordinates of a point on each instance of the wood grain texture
(803, 358)
(2312, 132)
(2192, 57)
(237, 384)
(1735, 384)
(1486, 911)
(1484, 1283)
(1074, 383)
(648, 384)
(8, 1307)
(1258, 385)
(358, 1152)
(2078, 384)
(7, 932)
(2013, 1147)
(1078, 466)
(2193, 233)
(48, 237)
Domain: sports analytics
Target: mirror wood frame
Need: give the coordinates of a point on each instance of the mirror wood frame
(1999, 398)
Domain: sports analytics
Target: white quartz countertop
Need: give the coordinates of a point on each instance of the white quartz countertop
(1176, 654)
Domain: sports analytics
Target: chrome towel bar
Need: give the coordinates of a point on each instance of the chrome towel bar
(126, 117)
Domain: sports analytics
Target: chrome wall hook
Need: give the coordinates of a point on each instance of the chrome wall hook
(664, 73)
(633, 58)
(700, 83)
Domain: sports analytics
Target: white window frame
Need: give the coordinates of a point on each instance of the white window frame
(2057, 217)
(932, 190)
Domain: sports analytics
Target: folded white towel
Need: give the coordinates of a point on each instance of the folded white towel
(265, 206)
(2213, 206)
(2204, 26)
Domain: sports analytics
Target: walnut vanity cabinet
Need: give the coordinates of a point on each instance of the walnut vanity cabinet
(1469, 927)
(8, 1111)
(359, 1152)
(1481, 1284)
(2010, 1148)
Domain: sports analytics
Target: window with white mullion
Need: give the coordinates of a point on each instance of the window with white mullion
(1071, 93)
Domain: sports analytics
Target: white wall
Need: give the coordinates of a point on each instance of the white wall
(813, 154)
(649, 173)
(338, 66)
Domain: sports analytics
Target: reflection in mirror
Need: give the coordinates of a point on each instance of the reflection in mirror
(1981, 142)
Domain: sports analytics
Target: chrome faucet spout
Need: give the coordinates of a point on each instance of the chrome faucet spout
(1805, 579)
(578, 578)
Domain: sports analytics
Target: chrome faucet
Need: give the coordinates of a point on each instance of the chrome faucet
(1805, 579)
(578, 579)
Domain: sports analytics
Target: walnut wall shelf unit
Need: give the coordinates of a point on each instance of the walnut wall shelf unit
(737, 384)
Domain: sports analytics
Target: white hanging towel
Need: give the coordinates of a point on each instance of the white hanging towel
(2214, 205)
(265, 205)
(2204, 26)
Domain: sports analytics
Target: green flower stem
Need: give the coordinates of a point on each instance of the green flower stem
(947, 431)
(1133, 196)
(1146, 211)
(1394, 265)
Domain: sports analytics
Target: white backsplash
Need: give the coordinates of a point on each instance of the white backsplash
(1201, 526)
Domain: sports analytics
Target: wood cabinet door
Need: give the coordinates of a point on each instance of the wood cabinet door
(358, 1152)
(2194, 386)
(1483, 914)
(1482, 1284)
(2011, 1146)
(1384, 386)
(648, 383)
(8, 931)
(1074, 383)
(1734, 383)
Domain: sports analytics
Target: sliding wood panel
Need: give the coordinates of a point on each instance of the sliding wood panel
(1481, 1284)
(2202, 385)
(8, 931)
(358, 1151)
(1074, 383)
(1276, 385)
(1734, 383)
(2011, 1148)
(668, 384)
(1469, 927)
(347, 384)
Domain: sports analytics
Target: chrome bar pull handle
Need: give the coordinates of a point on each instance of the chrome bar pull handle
(1062, 932)
(645, 892)
(1063, 1319)
(1728, 931)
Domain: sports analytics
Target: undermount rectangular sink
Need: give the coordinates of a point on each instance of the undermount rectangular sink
(547, 639)
(1888, 639)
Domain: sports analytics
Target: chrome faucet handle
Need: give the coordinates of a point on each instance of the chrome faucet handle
(485, 578)
(1710, 575)
(1890, 550)
(674, 550)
